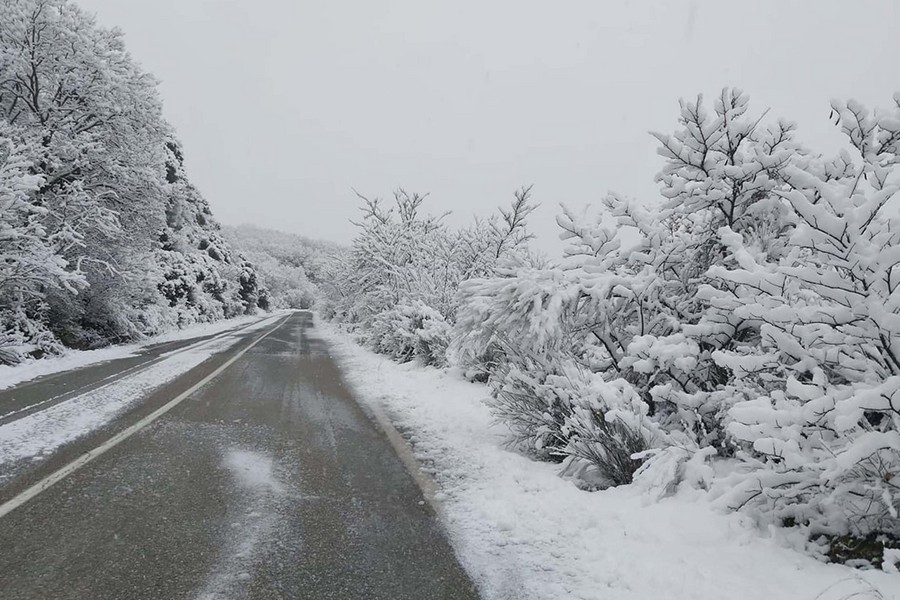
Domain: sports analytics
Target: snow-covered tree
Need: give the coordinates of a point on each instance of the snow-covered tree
(751, 315)
(29, 258)
(86, 122)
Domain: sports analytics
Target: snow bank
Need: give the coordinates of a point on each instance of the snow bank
(11, 375)
(522, 532)
(37, 435)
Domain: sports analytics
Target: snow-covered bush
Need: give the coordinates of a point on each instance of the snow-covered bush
(751, 314)
(724, 168)
(398, 284)
(617, 307)
(818, 420)
(406, 332)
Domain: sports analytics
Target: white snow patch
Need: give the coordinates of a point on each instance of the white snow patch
(76, 359)
(252, 470)
(73, 359)
(39, 434)
(523, 532)
(255, 523)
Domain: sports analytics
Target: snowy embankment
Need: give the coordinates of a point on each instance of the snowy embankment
(76, 359)
(522, 532)
(39, 434)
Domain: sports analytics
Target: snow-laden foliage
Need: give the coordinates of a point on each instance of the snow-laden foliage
(29, 257)
(409, 331)
(752, 315)
(103, 237)
(398, 284)
(618, 308)
(818, 418)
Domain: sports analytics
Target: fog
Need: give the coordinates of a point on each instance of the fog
(285, 107)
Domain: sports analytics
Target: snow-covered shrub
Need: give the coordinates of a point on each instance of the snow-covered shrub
(610, 446)
(24, 335)
(558, 411)
(398, 284)
(819, 424)
(724, 168)
(535, 331)
(409, 332)
(753, 316)
(530, 401)
(635, 308)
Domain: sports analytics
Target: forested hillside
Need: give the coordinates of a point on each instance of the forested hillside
(290, 267)
(102, 237)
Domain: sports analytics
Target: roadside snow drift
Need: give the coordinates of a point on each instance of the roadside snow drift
(522, 532)
(11, 375)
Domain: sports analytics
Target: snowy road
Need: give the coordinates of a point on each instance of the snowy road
(267, 482)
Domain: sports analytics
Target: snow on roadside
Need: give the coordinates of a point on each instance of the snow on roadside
(524, 533)
(75, 359)
(37, 435)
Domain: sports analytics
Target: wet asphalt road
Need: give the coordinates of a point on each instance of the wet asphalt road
(268, 482)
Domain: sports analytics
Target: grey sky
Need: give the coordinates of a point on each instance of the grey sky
(285, 105)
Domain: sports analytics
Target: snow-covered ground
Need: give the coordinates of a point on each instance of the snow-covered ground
(75, 359)
(37, 435)
(522, 532)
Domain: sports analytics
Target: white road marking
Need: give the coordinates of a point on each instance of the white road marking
(63, 472)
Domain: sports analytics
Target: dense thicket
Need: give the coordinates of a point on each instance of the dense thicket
(742, 335)
(397, 286)
(102, 238)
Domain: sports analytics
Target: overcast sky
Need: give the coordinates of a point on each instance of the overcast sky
(285, 105)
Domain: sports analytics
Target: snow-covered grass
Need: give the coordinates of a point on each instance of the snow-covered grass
(75, 359)
(522, 532)
(39, 434)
